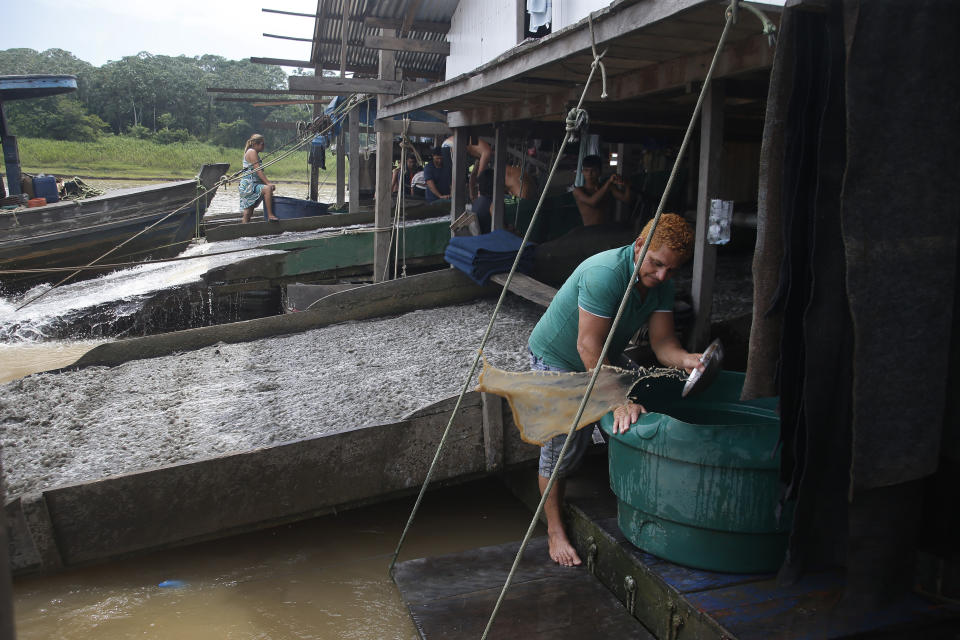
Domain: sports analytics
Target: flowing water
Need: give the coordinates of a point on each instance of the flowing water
(322, 579)
(63, 324)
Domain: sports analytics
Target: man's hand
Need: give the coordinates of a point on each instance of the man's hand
(691, 361)
(625, 415)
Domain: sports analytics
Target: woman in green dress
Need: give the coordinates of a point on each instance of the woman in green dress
(254, 185)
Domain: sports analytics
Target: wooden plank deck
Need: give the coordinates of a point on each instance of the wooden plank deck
(673, 601)
(452, 597)
(527, 287)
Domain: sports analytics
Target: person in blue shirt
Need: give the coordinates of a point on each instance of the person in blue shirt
(572, 331)
(438, 176)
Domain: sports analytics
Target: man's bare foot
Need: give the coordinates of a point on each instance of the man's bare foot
(273, 219)
(561, 551)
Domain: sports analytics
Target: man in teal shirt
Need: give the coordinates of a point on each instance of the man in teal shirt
(570, 336)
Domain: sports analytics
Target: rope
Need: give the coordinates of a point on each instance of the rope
(616, 319)
(570, 126)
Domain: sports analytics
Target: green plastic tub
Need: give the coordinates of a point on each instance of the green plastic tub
(697, 479)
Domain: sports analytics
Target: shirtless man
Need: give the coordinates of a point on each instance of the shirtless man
(593, 199)
(480, 151)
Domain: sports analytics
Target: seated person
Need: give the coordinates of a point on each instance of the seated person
(411, 170)
(418, 185)
(481, 204)
(593, 198)
(437, 175)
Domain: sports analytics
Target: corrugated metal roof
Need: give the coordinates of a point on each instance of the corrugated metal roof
(328, 33)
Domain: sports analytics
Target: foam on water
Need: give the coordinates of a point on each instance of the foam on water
(124, 292)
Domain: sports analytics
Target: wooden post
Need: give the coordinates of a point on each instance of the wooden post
(354, 160)
(458, 190)
(621, 210)
(314, 169)
(705, 255)
(492, 413)
(383, 211)
(6, 587)
(499, 174)
(341, 170)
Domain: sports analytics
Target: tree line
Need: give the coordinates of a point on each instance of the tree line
(162, 98)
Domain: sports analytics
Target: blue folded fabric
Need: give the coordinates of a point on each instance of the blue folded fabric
(482, 256)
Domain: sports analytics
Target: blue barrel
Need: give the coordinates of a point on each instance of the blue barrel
(45, 186)
(697, 479)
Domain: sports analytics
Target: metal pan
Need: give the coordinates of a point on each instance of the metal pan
(712, 360)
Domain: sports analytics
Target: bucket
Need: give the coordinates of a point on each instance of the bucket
(45, 186)
(697, 479)
(287, 208)
(37, 202)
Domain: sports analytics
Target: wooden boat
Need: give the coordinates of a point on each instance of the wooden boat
(74, 233)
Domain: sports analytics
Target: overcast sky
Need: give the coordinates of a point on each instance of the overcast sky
(101, 30)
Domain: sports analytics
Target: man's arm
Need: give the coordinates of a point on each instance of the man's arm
(622, 190)
(591, 333)
(593, 200)
(665, 345)
(435, 191)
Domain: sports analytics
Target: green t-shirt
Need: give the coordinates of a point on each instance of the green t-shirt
(597, 287)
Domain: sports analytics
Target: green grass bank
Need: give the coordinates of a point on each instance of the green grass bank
(132, 158)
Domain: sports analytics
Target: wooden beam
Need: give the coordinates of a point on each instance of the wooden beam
(354, 145)
(407, 44)
(750, 54)
(292, 13)
(521, 109)
(314, 173)
(414, 127)
(382, 210)
(500, 146)
(344, 86)
(747, 55)
(408, 19)
(528, 288)
(616, 20)
(492, 418)
(273, 35)
(266, 92)
(458, 190)
(283, 62)
(341, 170)
(705, 254)
(419, 26)
(343, 38)
(280, 103)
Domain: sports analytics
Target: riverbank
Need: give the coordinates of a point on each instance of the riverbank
(122, 157)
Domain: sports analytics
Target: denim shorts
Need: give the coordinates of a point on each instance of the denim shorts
(550, 451)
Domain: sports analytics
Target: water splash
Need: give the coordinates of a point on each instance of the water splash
(107, 306)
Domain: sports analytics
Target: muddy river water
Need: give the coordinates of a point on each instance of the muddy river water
(321, 579)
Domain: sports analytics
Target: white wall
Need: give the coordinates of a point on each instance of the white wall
(480, 30)
(566, 12)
